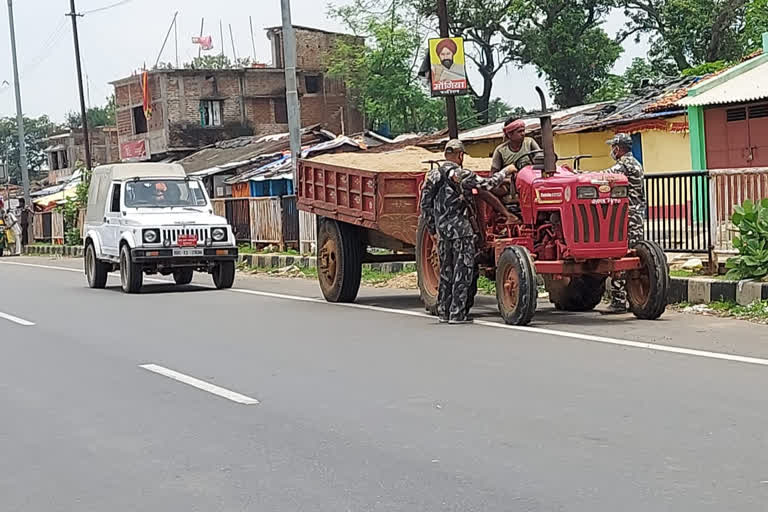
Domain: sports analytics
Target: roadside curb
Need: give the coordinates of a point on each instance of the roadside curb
(282, 261)
(266, 261)
(54, 250)
(704, 291)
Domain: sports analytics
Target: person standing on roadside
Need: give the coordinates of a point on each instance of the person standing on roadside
(627, 164)
(25, 220)
(446, 209)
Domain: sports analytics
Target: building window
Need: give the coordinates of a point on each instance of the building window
(64, 164)
(281, 111)
(210, 113)
(139, 121)
(313, 84)
(54, 160)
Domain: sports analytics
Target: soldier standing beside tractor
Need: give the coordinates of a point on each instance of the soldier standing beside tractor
(627, 164)
(445, 203)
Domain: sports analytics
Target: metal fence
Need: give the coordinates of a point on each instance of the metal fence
(678, 211)
(728, 188)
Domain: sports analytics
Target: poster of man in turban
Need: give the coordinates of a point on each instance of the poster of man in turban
(446, 57)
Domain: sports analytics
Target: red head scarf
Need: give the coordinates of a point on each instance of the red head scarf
(446, 43)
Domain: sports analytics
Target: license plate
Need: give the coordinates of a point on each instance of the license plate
(187, 241)
(187, 252)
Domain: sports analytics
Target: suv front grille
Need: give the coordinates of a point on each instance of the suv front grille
(173, 234)
(599, 223)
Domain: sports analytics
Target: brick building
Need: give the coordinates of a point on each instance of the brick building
(193, 108)
(66, 149)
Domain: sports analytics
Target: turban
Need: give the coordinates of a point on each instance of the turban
(446, 43)
(514, 125)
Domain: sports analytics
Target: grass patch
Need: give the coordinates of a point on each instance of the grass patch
(486, 286)
(756, 312)
(689, 273)
(247, 249)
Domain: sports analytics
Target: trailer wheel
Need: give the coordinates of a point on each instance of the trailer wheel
(647, 288)
(582, 293)
(427, 267)
(516, 290)
(339, 261)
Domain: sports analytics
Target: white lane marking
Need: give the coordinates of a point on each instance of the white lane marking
(50, 267)
(16, 320)
(200, 384)
(534, 330)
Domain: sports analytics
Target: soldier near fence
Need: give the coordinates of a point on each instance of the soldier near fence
(627, 164)
(446, 205)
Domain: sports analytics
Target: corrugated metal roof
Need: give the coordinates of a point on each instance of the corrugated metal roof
(751, 85)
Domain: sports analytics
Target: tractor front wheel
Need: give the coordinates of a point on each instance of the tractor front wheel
(516, 290)
(647, 288)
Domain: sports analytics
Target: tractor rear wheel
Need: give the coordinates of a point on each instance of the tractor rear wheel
(427, 267)
(339, 261)
(647, 288)
(516, 289)
(582, 293)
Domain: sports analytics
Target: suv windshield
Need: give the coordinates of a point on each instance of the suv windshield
(162, 193)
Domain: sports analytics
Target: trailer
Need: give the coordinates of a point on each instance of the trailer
(364, 201)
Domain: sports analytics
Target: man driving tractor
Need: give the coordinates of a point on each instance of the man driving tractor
(516, 148)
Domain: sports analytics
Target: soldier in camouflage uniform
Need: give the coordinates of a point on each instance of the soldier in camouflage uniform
(627, 164)
(445, 203)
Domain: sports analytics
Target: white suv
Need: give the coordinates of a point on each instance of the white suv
(149, 218)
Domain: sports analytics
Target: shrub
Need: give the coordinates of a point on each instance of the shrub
(752, 241)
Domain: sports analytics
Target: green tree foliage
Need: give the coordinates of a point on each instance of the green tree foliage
(752, 243)
(631, 82)
(565, 42)
(97, 116)
(35, 131)
(688, 33)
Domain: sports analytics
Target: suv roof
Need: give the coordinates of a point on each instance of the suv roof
(146, 170)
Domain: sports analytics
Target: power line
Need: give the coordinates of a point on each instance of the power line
(106, 7)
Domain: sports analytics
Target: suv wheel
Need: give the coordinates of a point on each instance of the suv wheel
(131, 276)
(95, 271)
(224, 275)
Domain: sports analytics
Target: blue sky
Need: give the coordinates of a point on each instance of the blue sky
(117, 41)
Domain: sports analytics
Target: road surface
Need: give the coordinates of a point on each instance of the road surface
(265, 398)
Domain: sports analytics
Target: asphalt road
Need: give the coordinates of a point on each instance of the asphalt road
(289, 404)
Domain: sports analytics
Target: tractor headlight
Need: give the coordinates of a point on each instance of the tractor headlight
(586, 192)
(151, 236)
(219, 234)
(621, 191)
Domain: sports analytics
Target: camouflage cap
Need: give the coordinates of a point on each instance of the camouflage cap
(454, 146)
(620, 139)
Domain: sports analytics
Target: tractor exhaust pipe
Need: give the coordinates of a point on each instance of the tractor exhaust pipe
(547, 137)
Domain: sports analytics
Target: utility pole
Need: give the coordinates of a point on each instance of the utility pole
(291, 94)
(19, 111)
(450, 101)
(83, 112)
(253, 41)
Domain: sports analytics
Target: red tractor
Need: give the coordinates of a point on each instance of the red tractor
(569, 228)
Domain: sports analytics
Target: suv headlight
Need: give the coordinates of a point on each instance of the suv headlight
(219, 234)
(620, 191)
(586, 192)
(151, 236)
